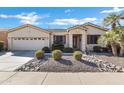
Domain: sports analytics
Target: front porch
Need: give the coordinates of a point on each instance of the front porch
(77, 41)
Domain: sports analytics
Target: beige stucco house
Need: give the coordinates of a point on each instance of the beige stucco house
(29, 37)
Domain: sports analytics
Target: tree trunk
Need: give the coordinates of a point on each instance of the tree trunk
(122, 49)
(113, 26)
(114, 49)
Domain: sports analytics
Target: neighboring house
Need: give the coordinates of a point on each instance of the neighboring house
(3, 37)
(29, 37)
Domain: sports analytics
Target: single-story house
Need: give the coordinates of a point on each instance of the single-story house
(30, 37)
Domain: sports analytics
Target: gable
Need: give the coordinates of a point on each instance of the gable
(27, 31)
(94, 30)
(77, 31)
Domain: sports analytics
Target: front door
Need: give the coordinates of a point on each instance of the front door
(77, 41)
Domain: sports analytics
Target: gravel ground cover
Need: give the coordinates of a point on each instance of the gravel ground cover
(89, 63)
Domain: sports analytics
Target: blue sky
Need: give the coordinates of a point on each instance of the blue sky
(53, 17)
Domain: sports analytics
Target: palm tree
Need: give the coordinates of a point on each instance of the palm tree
(110, 37)
(113, 20)
(120, 32)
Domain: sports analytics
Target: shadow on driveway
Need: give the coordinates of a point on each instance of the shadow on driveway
(23, 53)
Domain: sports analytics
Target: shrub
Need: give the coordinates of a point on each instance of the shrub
(76, 49)
(57, 46)
(97, 49)
(77, 55)
(46, 49)
(57, 54)
(104, 49)
(1, 45)
(39, 54)
(68, 50)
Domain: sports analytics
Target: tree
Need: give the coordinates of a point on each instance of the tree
(120, 32)
(113, 20)
(110, 37)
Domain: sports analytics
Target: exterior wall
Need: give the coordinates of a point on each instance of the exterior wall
(93, 31)
(27, 32)
(3, 37)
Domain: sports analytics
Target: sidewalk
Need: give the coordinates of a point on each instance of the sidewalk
(51, 78)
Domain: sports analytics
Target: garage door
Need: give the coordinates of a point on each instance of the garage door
(29, 43)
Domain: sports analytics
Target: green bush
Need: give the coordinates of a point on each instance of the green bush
(68, 50)
(97, 49)
(46, 49)
(57, 54)
(1, 45)
(77, 55)
(39, 54)
(57, 46)
(76, 49)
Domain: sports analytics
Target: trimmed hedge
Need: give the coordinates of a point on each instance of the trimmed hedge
(1, 45)
(77, 55)
(97, 49)
(57, 47)
(39, 54)
(46, 49)
(57, 54)
(68, 50)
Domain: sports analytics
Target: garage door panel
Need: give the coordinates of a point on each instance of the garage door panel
(29, 44)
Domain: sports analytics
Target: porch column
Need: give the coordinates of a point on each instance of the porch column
(70, 41)
(51, 40)
(67, 40)
(83, 42)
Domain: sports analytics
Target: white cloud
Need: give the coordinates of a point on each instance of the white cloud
(115, 9)
(26, 18)
(72, 21)
(68, 11)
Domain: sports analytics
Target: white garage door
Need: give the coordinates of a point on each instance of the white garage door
(29, 43)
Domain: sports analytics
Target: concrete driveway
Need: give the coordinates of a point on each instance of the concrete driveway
(9, 61)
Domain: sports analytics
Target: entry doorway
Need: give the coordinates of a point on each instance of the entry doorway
(77, 38)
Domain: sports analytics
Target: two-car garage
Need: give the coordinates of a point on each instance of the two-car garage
(28, 37)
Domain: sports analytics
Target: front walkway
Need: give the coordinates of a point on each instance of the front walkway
(50, 78)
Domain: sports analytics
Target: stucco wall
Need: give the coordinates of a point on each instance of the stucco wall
(94, 31)
(28, 32)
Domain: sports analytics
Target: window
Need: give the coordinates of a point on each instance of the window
(35, 38)
(31, 38)
(15, 38)
(26, 38)
(60, 39)
(19, 38)
(92, 39)
(23, 38)
(39, 38)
